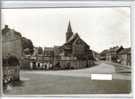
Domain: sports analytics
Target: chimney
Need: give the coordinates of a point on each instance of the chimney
(6, 26)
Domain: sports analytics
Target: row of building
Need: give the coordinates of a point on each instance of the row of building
(117, 54)
(73, 54)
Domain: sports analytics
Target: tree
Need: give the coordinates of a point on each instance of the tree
(13, 61)
(28, 47)
(27, 51)
(40, 50)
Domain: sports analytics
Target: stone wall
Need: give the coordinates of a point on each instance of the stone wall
(10, 73)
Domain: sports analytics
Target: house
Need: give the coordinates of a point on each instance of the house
(112, 54)
(125, 56)
(96, 55)
(117, 54)
(39, 59)
(11, 54)
(103, 55)
(48, 55)
(11, 43)
(74, 53)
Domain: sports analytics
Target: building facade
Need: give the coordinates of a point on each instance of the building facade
(11, 43)
(11, 54)
(74, 53)
(125, 56)
(112, 54)
(117, 55)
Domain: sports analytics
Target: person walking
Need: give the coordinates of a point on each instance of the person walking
(31, 65)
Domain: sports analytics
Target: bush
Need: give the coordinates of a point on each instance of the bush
(11, 61)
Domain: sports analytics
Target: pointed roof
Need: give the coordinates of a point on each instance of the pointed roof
(73, 37)
(69, 29)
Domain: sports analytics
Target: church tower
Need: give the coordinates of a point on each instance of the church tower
(69, 32)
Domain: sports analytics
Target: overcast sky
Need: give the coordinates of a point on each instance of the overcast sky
(101, 28)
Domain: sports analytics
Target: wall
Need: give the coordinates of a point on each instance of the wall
(11, 44)
(74, 64)
(125, 59)
(10, 73)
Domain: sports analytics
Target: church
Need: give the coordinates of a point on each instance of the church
(75, 52)
(75, 46)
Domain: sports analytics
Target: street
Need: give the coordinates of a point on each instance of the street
(71, 82)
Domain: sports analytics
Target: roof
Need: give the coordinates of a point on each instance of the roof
(67, 45)
(48, 48)
(69, 29)
(7, 29)
(78, 38)
(125, 51)
(115, 49)
(104, 52)
(73, 37)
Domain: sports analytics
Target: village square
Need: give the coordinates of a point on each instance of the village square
(64, 69)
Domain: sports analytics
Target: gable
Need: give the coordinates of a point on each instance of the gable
(72, 38)
(79, 41)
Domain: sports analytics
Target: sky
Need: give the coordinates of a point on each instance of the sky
(100, 28)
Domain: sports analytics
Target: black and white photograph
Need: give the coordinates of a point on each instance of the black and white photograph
(57, 51)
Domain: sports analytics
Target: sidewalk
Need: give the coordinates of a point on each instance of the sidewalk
(119, 67)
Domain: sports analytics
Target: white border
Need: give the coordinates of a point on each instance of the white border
(0, 59)
(67, 4)
(63, 4)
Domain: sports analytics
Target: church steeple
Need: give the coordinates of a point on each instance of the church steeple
(69, 27)
(69, 32)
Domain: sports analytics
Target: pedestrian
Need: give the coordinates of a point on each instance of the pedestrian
(47, 66)
(50, 66)
(31, 65)
(36, 65)
(41, 65)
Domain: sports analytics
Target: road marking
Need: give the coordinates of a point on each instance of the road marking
(101, 76)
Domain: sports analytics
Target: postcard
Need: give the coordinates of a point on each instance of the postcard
(64, 51)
